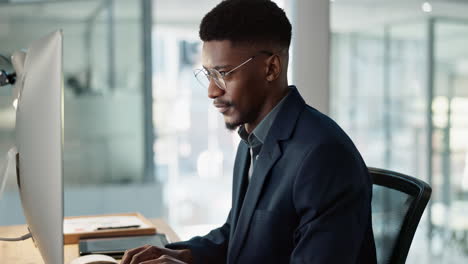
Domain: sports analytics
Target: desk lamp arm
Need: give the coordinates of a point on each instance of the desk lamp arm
(21, 238)
(7, 78)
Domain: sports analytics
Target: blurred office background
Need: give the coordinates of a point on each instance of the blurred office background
(399, 79)
(141, 134)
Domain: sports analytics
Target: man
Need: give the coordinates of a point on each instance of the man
(301, 191)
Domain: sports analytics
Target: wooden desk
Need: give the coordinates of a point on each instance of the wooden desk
(24, 252)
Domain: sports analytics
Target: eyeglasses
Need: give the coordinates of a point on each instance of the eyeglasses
(205, 75)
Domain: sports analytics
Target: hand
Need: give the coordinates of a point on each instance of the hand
(154, 255)
(164, 259)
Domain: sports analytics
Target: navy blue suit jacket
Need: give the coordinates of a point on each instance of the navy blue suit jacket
(309, 199)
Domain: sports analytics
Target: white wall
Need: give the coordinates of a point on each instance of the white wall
(311, 51)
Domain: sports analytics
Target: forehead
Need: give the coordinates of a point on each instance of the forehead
(222, 53)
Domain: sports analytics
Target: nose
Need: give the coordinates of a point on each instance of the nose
(214, 91)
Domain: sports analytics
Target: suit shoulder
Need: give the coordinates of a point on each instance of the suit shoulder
(315, 128)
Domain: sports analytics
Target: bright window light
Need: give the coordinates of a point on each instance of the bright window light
(15, 103)
(280, 3)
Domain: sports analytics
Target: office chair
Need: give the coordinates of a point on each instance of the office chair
(398, 203)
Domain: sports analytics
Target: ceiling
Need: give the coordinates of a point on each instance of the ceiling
(404, 16)
(351, 15)
(346, 15)
(166, 11)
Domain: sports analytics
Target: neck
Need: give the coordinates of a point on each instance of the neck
(268, 105)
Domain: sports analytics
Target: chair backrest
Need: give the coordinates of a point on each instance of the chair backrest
(398, 203)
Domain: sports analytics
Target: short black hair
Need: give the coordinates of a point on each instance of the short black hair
(247, 21)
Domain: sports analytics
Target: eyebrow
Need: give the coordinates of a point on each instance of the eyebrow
(220, 67)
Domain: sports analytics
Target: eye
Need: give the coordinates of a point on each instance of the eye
(208, 73)
(223, 73)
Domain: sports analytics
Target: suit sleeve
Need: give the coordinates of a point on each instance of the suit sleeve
(331, 194)
(208, 249)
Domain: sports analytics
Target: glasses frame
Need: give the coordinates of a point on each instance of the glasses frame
(218, 76)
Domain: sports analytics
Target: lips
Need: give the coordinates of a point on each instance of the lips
(222, 108)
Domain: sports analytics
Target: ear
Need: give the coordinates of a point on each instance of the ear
(273, 68)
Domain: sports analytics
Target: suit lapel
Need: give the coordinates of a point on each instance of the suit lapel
(240, 183)
(268, 157)
(281, 129)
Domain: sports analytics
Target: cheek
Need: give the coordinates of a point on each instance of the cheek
(248, 88)
(241, 93)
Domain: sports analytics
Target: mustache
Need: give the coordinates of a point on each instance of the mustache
(222, 102)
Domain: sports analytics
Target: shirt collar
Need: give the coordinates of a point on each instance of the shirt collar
(258, 136)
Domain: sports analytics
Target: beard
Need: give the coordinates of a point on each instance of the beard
(246, 118)
(239, 117)
(232, 126)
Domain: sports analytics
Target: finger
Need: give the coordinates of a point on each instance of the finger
(169, 259)
(149, 253)
(164, 259)
(153, 261)
(127, 257)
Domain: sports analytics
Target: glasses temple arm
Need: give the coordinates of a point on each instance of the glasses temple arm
(251, 58)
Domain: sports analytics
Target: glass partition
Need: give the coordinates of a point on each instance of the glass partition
(102, 78)
(355, 93)
(450, 145)
(379, 98)
(104, 107)
(399, 90)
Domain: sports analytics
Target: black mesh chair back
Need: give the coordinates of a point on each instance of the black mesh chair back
(398, 203)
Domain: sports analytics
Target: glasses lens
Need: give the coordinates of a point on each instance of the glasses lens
(202, 77)
(219, 80)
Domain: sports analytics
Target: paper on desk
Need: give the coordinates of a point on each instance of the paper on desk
(7, 168)
(91, 224)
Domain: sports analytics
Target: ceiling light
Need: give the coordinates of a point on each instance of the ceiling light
(426, 7)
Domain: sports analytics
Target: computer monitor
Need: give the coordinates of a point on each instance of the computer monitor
(39, 137)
